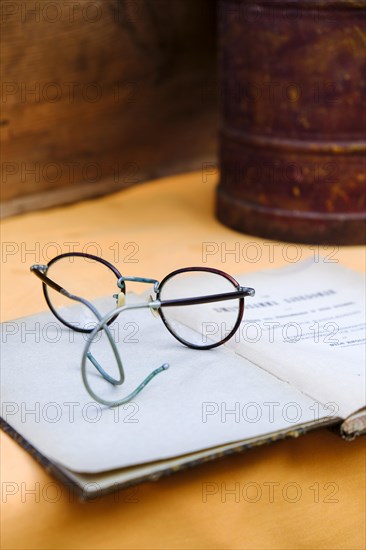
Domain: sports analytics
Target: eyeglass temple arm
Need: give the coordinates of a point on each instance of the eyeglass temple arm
(88, 355)
(240, 293)
(133, 394)
(40, 272)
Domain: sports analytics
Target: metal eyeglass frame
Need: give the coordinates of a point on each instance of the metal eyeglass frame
(156, 306)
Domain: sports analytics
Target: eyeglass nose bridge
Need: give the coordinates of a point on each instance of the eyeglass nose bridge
(147, 280)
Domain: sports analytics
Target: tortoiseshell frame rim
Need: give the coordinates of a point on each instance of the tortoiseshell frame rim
(79, 255)
(164, 303)
(171, 303)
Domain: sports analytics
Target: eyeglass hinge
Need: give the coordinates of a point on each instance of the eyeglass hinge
(39, 267)
(249, 291)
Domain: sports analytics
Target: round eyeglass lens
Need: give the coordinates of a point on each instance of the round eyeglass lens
(84, 277)
(200, 325)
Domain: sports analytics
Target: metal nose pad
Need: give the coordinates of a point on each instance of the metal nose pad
(153, 310)
(120, 299)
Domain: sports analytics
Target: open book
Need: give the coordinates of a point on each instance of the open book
(296, 363)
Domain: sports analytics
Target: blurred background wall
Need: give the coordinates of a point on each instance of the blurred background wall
(97, 95)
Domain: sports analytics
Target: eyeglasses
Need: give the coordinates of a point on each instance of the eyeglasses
(180, 299)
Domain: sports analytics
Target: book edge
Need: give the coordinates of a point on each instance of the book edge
(93, 492)
(354, 425)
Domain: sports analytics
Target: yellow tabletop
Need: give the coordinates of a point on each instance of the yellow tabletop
(297, 493)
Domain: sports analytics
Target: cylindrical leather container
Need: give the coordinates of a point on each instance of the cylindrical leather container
(292, 151)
